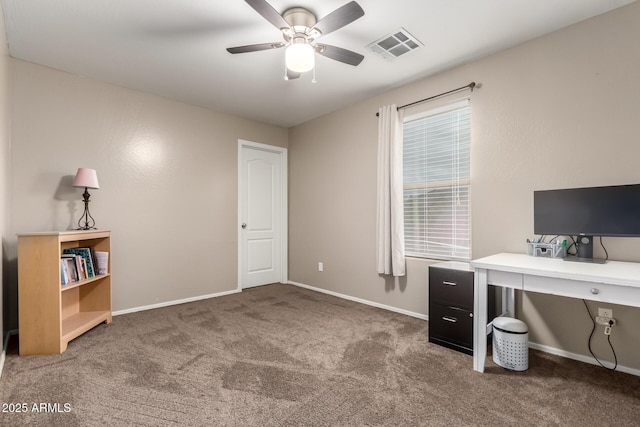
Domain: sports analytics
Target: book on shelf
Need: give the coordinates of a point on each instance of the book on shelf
(86, 254)
(102, 263)
(69, 272)
(64, 274)
(78, 260)
(83, 267)
(72, 269)
(94, 260)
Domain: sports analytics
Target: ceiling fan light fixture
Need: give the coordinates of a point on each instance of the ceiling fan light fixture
(300, 55)
(300, 30)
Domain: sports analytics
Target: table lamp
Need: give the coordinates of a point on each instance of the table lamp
(87, 178)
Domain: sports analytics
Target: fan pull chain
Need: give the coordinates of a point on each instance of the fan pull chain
(285, 72)
(313, 80)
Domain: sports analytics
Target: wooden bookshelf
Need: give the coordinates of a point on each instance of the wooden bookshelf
(50, 314)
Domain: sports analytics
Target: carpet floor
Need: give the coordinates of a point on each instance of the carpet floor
(279, 355)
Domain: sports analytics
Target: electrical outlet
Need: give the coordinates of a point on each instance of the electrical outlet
(605, 321)
(320, 266)
(605, 312)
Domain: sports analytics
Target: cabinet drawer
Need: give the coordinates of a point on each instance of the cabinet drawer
(451, 325)
(451, 287)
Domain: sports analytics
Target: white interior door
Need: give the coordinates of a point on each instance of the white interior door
(262, 214)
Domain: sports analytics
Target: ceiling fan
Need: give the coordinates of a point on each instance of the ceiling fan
(300, 30)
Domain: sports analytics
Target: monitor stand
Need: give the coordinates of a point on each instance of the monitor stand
(584, 245)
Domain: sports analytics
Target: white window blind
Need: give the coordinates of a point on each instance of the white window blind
(436, 183)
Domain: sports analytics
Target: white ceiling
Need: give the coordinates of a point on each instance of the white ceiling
(176, 48)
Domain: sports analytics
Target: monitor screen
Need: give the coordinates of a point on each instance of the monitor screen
(594, 211)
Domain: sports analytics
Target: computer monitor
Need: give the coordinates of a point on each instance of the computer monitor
(587, 213)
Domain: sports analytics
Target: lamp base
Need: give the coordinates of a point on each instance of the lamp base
(86, 221)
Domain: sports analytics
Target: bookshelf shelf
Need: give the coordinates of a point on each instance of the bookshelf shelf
(51, 314)
(82, 282)
(79, 323)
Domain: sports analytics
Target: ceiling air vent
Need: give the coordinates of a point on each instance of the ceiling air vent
(395, 44)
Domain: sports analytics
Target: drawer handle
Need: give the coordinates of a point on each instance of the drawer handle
(450, 319)
(595, 291)
(444, 282)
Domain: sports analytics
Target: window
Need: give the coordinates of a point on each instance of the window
(436, 183)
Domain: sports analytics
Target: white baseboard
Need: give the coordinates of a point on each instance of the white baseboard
(580, 357)
(361, 301)
(3, 356)
(174, 302)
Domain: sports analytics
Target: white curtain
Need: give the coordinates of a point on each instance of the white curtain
(390, 217)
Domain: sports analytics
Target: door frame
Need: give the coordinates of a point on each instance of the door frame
(284, 230)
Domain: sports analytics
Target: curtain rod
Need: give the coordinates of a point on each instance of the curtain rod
(470, 86)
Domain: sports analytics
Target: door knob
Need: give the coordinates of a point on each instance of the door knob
(244, 225)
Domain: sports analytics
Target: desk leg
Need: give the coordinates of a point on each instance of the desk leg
(479, 319)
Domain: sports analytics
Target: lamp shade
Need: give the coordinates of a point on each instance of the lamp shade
(86, 177)
(300, 56)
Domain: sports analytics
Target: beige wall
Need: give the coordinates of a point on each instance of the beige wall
(167, 172)
(559, 111)
(5, 144)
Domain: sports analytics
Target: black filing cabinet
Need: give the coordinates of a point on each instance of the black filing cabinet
(451, 305)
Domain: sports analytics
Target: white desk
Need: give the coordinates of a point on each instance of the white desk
(614, 282)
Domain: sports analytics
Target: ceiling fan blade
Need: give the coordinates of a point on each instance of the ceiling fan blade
(269, 13)
(339, 18)
(292, 75)
(255, 47)
(339, 54)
